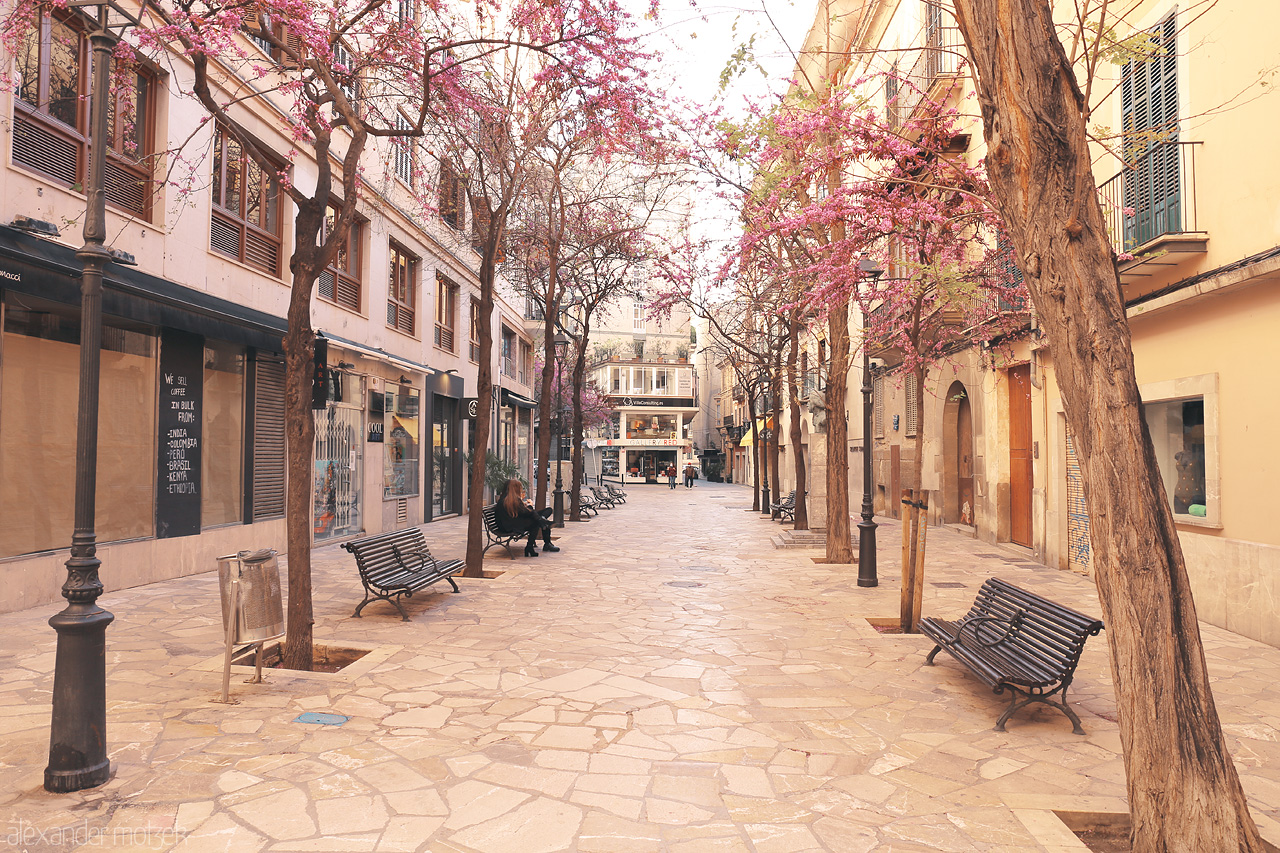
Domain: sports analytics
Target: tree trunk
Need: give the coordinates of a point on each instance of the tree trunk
(579, 379)
(484, 412)
(913, 557)
(300, 437)
(839, 536)
(550, 309)
(801, 514)
(775, 415)
(1184, 793)
(755, 450)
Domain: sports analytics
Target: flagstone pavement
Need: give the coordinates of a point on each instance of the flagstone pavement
(667, 682)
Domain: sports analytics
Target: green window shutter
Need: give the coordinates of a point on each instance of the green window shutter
(1149, 111)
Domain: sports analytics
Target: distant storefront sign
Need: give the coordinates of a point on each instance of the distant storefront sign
(638, 442)
(652, 402)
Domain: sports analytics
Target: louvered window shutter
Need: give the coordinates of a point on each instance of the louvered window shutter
(1149, 108)
(268, 441)
(913, 414)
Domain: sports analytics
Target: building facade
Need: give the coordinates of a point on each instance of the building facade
(191, 434)
(1199, 252)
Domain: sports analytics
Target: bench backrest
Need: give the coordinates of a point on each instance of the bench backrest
(377, 554)
(1041, 630)
(490, 514)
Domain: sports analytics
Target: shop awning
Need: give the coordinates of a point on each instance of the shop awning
(511, 398)
(378, 353)
(749, 437)
(51, 270)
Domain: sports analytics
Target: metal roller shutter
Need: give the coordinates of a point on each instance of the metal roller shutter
(268, 441)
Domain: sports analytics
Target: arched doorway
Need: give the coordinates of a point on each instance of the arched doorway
(957, 426)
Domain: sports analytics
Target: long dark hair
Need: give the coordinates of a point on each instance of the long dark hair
(513, 497)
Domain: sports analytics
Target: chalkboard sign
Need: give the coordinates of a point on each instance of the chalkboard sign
(180, 421)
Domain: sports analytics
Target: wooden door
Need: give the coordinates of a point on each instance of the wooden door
(964, 461)
(1020, 454)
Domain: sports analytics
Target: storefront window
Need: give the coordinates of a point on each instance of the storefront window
(1177, 434)
(507, 433)
(524, 421)
(444, 454)
(39, 375)
(400, 430)
(653, 426)
(222, 459)
(338, 455)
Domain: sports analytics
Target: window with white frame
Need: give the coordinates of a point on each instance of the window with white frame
(638, 311)
(402, 150)
(1181, 416)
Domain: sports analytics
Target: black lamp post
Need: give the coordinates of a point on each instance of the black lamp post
(77, 733)
(557, 503)
(762, 441)
(867, 527)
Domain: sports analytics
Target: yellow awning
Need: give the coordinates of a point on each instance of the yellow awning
(749, 437)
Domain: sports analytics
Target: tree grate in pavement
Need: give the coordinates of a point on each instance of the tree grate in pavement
(684, 584)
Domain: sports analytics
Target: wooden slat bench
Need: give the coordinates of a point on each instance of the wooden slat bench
(396, 565)
(1015, 640)
(587, 502)
(495, 535)
(604, 497)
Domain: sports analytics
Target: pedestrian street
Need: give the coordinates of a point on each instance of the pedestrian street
(669, 681)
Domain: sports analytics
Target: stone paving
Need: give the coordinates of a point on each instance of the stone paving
(668, 682)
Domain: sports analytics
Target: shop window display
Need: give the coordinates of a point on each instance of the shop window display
(39, 375)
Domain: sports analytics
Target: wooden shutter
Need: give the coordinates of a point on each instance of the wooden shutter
(1149, 104)
(913, 415)
(877, 396)
(268, 441)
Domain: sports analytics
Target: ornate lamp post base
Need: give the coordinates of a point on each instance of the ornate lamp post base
(77, 741)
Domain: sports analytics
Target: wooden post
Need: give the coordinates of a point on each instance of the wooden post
(917, 581)
(908, 540)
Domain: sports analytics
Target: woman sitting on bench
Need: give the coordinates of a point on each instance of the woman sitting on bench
(516, 514)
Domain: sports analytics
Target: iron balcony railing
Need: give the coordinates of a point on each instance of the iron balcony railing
(1152, 198)
(939, 58)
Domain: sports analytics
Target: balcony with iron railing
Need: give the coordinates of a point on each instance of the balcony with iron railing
(938, 60)
(1150, 211)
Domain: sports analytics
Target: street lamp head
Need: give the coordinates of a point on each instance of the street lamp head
(871, 268)
(561, 343)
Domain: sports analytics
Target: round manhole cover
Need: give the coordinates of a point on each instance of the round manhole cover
(684, 584)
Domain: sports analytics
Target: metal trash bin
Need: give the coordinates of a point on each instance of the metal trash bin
(252, 608)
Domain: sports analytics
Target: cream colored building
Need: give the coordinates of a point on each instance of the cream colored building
(194, 332)
(1202, 294)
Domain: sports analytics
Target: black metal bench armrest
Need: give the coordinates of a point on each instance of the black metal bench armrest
(421, 556)
(976, 624)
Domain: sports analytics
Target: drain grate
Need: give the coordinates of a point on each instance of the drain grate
(321, 719)
(947, 585)
(684, 584)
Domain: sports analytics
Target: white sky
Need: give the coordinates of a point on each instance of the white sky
(696, 39)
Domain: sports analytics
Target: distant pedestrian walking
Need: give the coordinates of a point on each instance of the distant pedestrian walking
(690, 473)
(671, 476)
